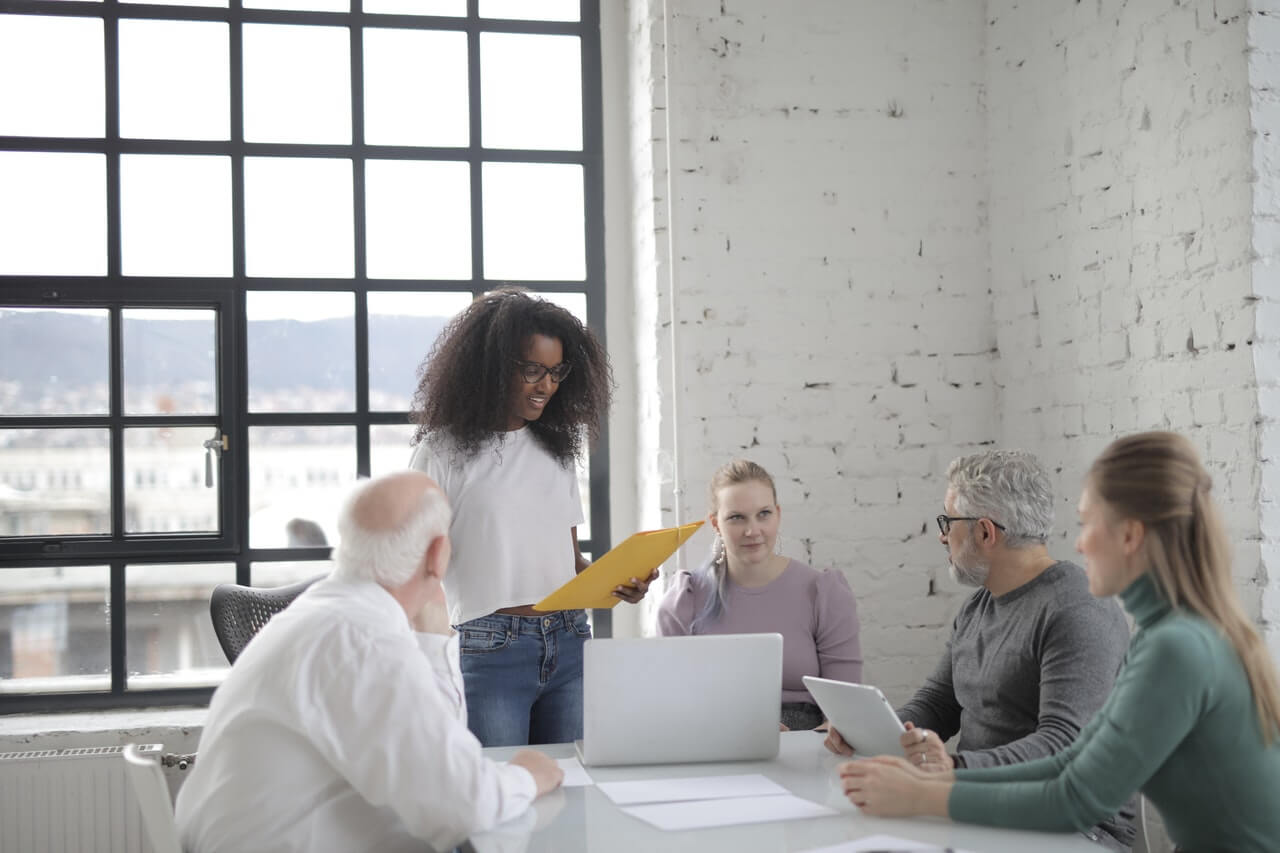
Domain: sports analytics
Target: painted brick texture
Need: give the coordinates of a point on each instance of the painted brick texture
(831, 306)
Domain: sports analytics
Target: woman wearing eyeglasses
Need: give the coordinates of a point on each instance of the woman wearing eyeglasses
(1193, 720)
(509, 396)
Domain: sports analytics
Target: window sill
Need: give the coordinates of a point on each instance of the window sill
(177, 728)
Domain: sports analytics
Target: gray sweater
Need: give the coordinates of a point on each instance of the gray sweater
(1023, 672)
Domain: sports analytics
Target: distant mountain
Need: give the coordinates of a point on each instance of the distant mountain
(283, 354)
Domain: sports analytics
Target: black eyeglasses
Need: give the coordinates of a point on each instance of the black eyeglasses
(944, 521)
(532, 371)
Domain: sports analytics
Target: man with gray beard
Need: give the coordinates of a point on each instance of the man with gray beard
(1032, 653)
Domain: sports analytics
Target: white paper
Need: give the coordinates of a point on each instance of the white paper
(705, 813)
(689, 788)
(884, 844)
(575, 775)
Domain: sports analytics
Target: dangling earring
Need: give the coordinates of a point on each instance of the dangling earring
(717, 551)
(777, 544)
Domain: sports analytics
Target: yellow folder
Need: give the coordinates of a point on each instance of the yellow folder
(637, 557)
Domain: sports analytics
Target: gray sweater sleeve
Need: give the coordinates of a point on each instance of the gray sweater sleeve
(1081, 648)
(935, 706)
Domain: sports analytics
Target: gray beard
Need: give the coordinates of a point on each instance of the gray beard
(975, 575)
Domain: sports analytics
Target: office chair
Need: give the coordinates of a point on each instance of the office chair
(1142, 843)
(239, 612)
(153, 800)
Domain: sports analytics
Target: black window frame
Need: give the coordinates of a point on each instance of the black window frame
(229, 296)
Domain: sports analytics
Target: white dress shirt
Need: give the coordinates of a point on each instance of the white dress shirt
(341, 729)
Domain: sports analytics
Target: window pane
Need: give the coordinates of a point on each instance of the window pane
(208, 3)
(298, 473)
(301, 5)
(415, 88)
(301, 352)
(169, 639)
(174, 80)
(54, 633)
(297, 84)
(531, 91)
(574, 303)
(53, 76)
(390, 446)
(402, 328)
(53, 213)
(531, 10)
(269, 574)
(170, 362)
(53, 362)
(443, 8)
(533, 222)
(175, 214)
(298, 220)
(164, 481)
(55, 482)
(419, 219)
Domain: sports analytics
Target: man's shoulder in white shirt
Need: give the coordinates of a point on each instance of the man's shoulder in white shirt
(328, 732)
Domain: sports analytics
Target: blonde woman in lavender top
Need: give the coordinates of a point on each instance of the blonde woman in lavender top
(747, 587)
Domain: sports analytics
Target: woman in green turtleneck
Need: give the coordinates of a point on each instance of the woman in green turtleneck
(1193, 720)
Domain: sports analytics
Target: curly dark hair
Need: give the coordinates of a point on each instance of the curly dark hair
(465, 383)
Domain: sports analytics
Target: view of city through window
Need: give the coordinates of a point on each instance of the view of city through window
(228, 240)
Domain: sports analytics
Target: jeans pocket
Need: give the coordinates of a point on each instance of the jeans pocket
(481, 640)
(580, 625)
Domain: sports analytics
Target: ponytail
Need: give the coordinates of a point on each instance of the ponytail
(1157, 478)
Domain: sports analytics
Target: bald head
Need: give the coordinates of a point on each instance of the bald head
(386, 503)
(386, 526)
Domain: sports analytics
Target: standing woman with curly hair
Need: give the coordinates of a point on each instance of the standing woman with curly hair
(510, 395)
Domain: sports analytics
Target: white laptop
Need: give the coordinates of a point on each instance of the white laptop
(673, 700)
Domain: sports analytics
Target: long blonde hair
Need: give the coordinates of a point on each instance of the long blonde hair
(732, 473)
(1157, 478)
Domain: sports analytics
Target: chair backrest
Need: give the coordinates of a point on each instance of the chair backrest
(1141, 843)
(239, 612)
(153, 799)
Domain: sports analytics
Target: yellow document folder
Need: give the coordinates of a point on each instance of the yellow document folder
(637, 557)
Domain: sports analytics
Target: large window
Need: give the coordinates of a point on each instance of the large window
(230, 231)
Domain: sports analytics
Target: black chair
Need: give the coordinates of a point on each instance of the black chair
(239, 612)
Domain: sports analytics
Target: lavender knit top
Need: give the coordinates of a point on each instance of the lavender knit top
(813, 610)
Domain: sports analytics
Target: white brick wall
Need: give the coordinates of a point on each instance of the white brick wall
(1120, 238)
(827, 202)
(895, 231)
(1264, 85)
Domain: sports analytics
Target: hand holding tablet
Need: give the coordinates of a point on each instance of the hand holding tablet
(860, 713)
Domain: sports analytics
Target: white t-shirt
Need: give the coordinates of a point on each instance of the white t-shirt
(339, 728)
(514, 506)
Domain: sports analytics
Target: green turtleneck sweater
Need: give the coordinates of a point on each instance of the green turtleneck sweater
(1180, 724)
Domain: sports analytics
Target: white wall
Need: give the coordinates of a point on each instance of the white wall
(893, 232)
(1120, 238)
(824, 221)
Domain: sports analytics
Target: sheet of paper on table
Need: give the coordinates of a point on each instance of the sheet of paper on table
(575, 775)
(728, 812)
(885, 844)
(690, 788)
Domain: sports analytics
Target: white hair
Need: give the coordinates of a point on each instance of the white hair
(1009, 487)
(390, 556)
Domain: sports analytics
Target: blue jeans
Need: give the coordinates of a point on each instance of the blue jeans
(523, 677)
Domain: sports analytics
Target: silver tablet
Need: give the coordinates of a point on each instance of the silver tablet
(861, 714)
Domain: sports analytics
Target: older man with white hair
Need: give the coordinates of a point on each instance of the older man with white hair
(342, 726)
(1032, 654)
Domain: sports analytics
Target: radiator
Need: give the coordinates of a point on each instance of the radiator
(70, 801)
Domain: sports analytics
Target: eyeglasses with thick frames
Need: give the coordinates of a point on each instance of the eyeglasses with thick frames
(532, 372)
(944, 521)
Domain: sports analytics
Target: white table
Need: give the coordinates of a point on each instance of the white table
(583, 819)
